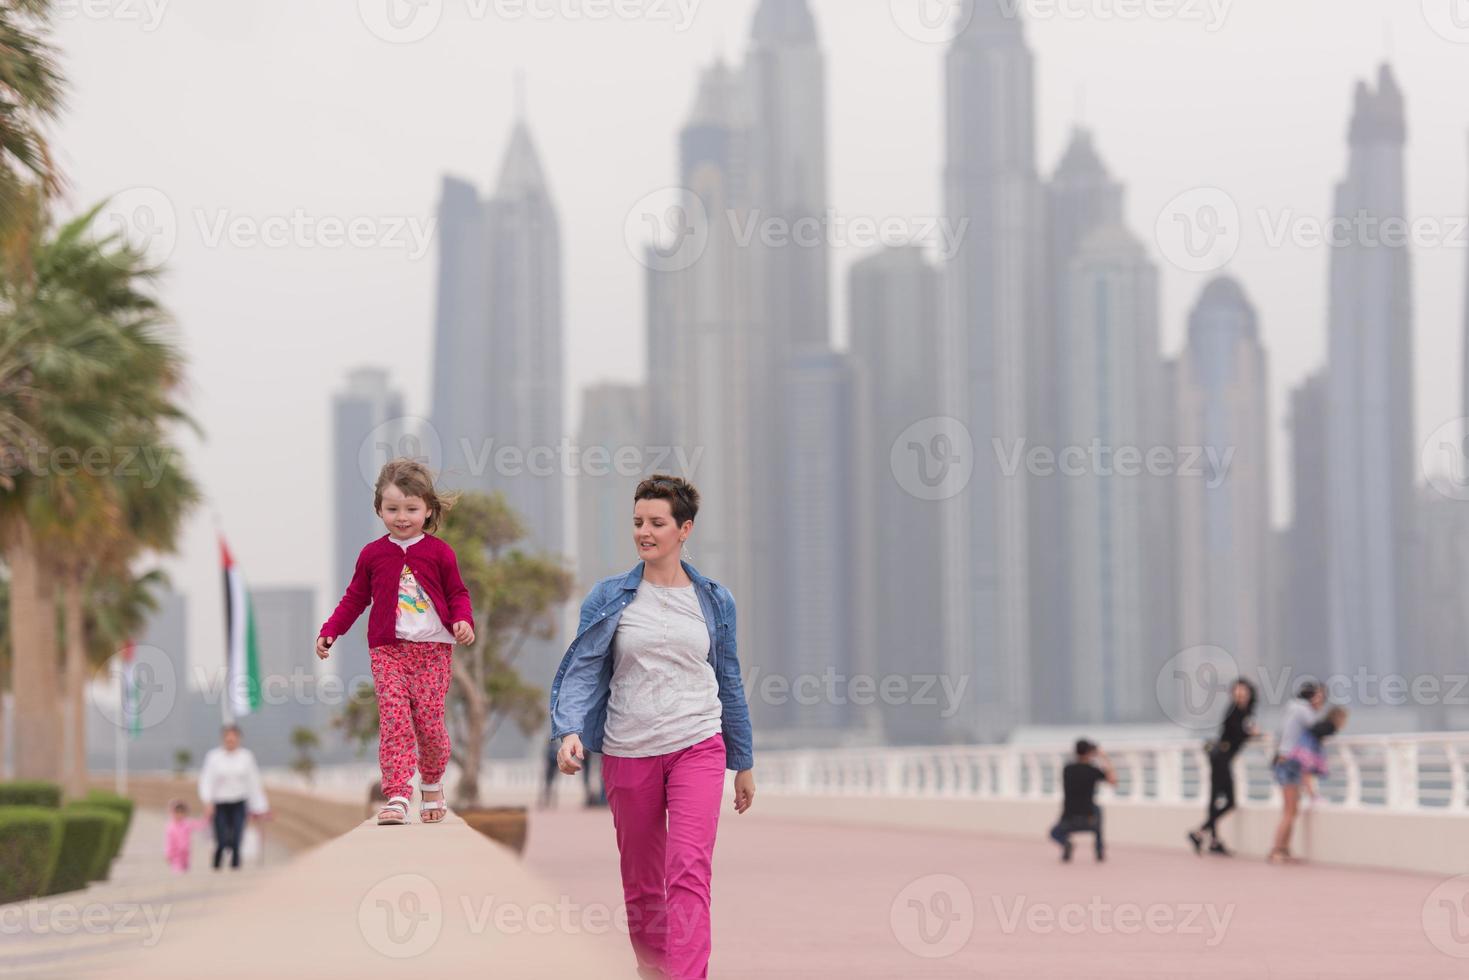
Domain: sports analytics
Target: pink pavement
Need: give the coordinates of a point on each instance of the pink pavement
(804, 899)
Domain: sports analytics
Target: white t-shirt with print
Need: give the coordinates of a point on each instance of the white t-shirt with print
(418, 622)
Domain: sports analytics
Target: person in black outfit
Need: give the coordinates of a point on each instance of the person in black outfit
(1238, 727)
(1079, 810)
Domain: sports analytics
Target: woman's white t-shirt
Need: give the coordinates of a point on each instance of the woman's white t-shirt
(664, 694)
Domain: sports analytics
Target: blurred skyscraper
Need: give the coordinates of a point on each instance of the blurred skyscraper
(498, 372)
(1223, 536)
(816, 503)
(898, 551)
(992, 302)
(1306, 646)
(785, 72)
(1369, 399)
(701, 323)
(368, 429)
(1115, 405)
(726, 329)
(497, 378)
(614, 417)
(1080, 197)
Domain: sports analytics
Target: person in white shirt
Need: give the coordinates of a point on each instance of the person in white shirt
(230, 786)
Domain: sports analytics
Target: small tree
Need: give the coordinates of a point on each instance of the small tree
(517, 595)
(304, 741)
(182, 760)
(358, 720)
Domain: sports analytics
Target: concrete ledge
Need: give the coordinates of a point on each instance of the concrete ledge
(416, 900)
(1436, 843)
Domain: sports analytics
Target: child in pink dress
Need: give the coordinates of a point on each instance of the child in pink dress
(178, 838)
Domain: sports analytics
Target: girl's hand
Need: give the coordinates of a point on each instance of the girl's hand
(323, 645)
(464, 633)
(570, 754)
(744, 790)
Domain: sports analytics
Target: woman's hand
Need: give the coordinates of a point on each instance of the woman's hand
(323, 644)
(464, 633)
(570, 755)
(209, 812)
(744, 790)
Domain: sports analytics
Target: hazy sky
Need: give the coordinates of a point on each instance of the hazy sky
(243, 117)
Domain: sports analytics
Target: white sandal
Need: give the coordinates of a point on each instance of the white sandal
(425, 807)
(394, 812)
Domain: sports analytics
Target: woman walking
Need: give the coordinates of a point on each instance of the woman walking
(1238, 726)
(652, 681)
(230, 786)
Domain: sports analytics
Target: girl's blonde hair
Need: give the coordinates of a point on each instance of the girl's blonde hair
(413, 479)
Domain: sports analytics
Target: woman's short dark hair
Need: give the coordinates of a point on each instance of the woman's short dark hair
(680, 494)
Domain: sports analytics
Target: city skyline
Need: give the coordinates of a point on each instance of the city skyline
(1109, 140)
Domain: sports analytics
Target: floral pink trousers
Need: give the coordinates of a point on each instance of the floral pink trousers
(412, 681)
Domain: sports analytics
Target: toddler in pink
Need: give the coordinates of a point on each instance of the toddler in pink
(179, 837)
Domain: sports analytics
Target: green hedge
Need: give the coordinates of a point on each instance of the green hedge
(30, 843)
(84, 833)
(112, 801)
(30, 792)
(111, 838)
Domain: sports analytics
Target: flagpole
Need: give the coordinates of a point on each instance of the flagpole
(120, 766)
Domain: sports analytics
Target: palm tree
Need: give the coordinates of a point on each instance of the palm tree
(31, 95)
(97, 369)
(135, 511)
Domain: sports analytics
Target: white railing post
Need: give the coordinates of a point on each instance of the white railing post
(1008, 773)
(1401, 772)
(1169, 764)
(1456, 776)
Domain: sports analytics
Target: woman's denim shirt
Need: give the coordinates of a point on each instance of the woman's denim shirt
(579, 693)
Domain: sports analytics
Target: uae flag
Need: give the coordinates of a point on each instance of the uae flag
(242, 659)
(129, 679)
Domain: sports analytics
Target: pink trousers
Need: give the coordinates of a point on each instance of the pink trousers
(666, 811)
(412, 681)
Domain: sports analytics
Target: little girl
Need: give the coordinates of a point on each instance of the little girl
(178, 839)
(411, 578)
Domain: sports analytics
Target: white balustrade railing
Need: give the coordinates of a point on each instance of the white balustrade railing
(1397, 772)
(1370, 772)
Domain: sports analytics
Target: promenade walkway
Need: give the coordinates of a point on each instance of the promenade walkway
(793, 898)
